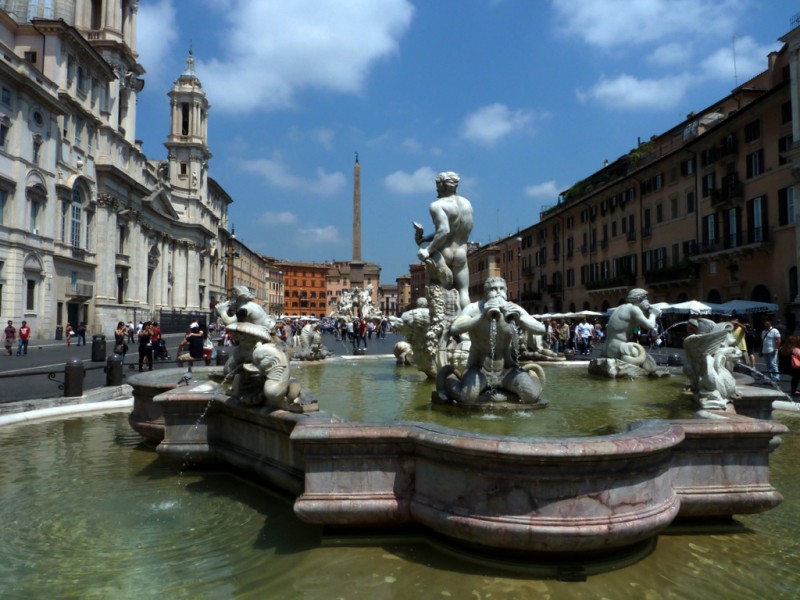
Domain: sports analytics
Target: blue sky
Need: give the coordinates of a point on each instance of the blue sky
(521, 97)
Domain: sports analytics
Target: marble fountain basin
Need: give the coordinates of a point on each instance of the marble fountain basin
(555, 495)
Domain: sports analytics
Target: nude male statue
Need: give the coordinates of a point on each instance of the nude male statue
(637, 312)
(492, 326)
(446, 249)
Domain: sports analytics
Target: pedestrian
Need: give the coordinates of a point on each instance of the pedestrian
(24, 336)
(120, 334)
(790, 355)
(81, 333)
(770, 343)
(146, 346)
(68, 332)
(9, 336)
(191, 347)
(131, 331)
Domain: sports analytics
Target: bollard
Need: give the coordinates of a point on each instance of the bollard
(222, 356)
(114, 370)
(73, 378)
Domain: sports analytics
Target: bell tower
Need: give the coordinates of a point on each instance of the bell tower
(187, 142)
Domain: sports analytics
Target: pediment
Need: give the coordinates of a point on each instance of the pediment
(159, 202)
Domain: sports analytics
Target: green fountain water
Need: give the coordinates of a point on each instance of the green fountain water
(91, 512)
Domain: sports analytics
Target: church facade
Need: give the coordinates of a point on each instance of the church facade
(91, 229)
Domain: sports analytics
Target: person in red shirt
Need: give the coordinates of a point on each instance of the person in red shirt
(24, 336)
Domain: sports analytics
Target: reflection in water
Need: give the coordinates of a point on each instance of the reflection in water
(579, 405)
(89, 511)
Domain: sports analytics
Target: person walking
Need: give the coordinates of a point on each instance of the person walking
(24, 336)
(789, 362)
(146, 346)
(81, 334)
(9, 336)
(120, 334)
(770, 343)
(68, 331)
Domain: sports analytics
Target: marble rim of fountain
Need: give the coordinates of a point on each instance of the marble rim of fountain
(567, 496)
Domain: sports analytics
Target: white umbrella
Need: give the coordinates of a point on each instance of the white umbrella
(738, 307)
(689, 307)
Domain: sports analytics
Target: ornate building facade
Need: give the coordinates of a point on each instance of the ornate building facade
(90, 228)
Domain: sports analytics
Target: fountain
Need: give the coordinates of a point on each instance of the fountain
(549, 496)
(521, 490)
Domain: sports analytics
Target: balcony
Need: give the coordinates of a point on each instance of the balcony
(620, 281)
(554, 289)
(81, 290)
(631, 236)
(737, 244)
(647, 231)
(730, 192)
(671, 274)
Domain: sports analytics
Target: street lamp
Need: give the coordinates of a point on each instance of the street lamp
(230, 255)
(519, 270)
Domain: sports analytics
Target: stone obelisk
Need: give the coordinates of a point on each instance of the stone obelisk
(356, 265)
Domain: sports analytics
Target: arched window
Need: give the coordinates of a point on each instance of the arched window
(761, 293)
(714, 297)
(76, 216)
(682, 297)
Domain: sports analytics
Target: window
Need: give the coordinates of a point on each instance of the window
(673, 207)
(689, 202)
(784, 145)
(76, 210)
(786, 112)
(78, 130)
(3, 134)
(709, 183)
(687, 167)
(5, 97)
(660, 258)
(757, 220)
(35, 217)
(786, 206)
(184, 169)
(733, 228)
(755, 163)
(184, 118)
(83, 81)
(37, 148)
(709, 231)
(3, 196)
(30, 56)
(659, 213)
(30, 296)
(752, 131)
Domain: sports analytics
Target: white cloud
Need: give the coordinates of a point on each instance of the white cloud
(325, 137)
(626, 91)
(411, 145)
(547, 190)
(276, 174)
(285, 47)
(623, 23)
(490, 123)
(272, 219)
(156, 34)
(320, 235)
(675, 53)
(419, 182)
(751, 59)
